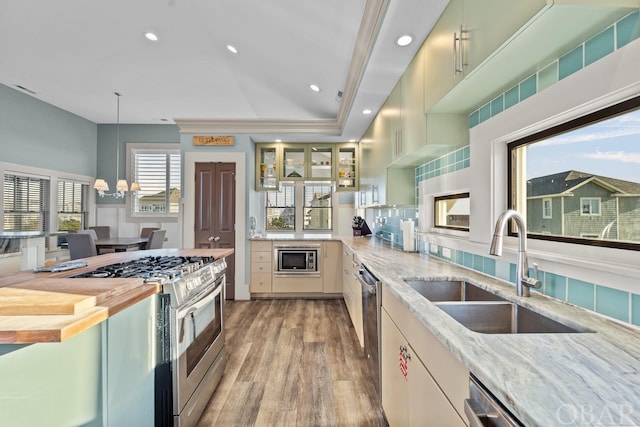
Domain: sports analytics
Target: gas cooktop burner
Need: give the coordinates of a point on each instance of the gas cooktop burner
(151, 267)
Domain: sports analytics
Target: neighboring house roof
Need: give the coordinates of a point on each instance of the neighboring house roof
(564, 182)
(174, 197)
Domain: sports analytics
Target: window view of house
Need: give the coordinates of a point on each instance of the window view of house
(26, 203)
(158, 173)
(452, 211)
(584, 183)
(72, 205)
(281, 209)
(318, 204)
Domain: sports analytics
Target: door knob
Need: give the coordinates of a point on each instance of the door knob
(214, 239)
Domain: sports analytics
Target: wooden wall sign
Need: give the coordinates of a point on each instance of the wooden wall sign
(213, 140)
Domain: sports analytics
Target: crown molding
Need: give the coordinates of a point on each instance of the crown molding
(240, 126)
(370, 24)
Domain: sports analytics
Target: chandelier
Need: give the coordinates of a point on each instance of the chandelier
(121, 186)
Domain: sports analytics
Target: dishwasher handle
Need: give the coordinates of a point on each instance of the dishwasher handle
(368, 280)
(475, 416)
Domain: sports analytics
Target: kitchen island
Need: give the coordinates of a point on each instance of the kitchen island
(91, 367)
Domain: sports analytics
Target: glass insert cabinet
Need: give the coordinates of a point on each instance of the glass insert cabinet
(277, 162)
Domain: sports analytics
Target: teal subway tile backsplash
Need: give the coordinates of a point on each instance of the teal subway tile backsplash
(448, 163)
(581, 293)
(528, 88)
(613, 303)
(548, 76)
(570, 62)
(599, 46)
(604, 300)
(555, 286)
(511, 97)
(497, 105)
(635, 309)
(627, 29)
(602, 44)
(485, 112)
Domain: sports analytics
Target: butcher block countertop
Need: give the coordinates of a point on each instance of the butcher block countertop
(50, 307)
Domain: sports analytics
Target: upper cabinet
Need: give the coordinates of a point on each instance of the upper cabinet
(306, 162)
(347, 178)
(267, 159)
(474, 53)
(404, 111)
(466, 34)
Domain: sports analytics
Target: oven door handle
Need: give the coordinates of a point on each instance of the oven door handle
(206, 299)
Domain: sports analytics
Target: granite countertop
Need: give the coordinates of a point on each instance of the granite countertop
(544, 379)
(295, 236)
(27, 288)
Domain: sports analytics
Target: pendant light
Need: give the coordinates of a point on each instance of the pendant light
(121, 186)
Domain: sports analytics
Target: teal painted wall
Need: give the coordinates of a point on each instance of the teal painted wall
(34, 133)
(107, 149)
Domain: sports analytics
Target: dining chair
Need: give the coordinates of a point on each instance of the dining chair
(90, 232)
(156, 239)
(102, 231)
(147, 231)
(81, 245)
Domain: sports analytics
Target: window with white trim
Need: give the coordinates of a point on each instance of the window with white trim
(157, 171)
(547, 212)
(25, 203)
(318, 206)
(300, 206)
(590, 206)
(73, 211)
(281, 209)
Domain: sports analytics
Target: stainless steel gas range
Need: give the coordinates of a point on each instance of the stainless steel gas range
(190, 331)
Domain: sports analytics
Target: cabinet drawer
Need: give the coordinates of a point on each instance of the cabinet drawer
(450, 374)
(260, 282)
(260, 267)
(261, 256)
(261, 246)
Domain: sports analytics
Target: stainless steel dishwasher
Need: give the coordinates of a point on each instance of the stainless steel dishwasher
(371, 305)
(484, 410)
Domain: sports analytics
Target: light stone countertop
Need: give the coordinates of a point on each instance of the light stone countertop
(296, 236)
(543, 379)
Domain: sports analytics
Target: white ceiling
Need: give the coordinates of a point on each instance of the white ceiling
(75, 54)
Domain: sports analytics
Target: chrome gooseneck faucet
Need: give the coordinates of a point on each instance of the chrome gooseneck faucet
(523, 281)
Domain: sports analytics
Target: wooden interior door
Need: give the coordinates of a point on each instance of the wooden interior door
(216, 212)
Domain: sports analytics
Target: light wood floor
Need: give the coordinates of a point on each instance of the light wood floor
(292, 363)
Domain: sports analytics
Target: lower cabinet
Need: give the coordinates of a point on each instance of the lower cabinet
(332, 268)
(261, 266)
(352, 291)
(410, 396)
(423, 384)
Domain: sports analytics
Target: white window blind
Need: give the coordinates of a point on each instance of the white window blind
(158, 173)
(26, 203)
(318, 206)
(72, 205)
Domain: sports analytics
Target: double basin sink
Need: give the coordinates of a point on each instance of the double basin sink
(482, 311)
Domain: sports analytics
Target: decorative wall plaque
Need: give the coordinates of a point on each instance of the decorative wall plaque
(213, 140)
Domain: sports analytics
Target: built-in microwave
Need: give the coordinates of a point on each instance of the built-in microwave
(297, 260)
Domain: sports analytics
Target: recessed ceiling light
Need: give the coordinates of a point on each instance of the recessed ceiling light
(314, 88)
(404, 40)
(232, 49)
(367, 111)
(151, 36)
(278, 140)
(352, 140)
